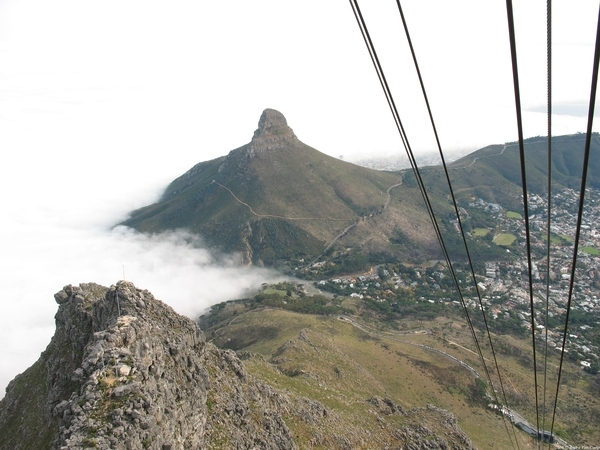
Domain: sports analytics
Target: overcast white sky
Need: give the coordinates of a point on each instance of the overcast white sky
(102, 103)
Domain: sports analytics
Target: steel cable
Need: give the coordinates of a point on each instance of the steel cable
(588, 141)
(391, 103)
(513, 52)
(456, 210)
(549, 196)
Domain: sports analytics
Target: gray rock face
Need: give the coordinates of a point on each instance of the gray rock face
(124, 371)
(271, 123)
(273, 133)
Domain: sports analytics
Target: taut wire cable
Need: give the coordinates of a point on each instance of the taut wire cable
(586, 158)
(513, 52)
(456, 211)
(549, 198)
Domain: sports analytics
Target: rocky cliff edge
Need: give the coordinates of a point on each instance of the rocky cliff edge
(125, 371)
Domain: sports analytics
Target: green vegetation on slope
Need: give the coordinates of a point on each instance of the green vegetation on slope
(30, 387)
(274, 205)
(344, 362)
(342, 366)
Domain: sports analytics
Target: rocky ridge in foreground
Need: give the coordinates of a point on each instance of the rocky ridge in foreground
(125, 371)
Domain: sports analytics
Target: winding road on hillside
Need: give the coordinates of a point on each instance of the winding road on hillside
(386, 204)
(272, 215)
(389, 195)
(394, 336)
(485, 156)
(343, 233)
(515, 418)
(332, 241)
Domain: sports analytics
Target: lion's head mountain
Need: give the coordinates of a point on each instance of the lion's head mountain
(278, 202)
(277, 199)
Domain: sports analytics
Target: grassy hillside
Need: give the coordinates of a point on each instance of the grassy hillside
(343, 363)
(274, 199)
(279, 202)
(342, 366)
(494, 173)
(275, 205)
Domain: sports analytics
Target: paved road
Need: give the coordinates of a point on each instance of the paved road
(515, 416)
(393, 336)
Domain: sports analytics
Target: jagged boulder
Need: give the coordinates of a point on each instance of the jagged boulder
(273, 133)
(125, 371)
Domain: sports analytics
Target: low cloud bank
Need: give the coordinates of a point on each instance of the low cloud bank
(173, 266)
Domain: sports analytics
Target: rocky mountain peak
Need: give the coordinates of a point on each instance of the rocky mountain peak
(125, 371)
(272, 122)
(273, 133)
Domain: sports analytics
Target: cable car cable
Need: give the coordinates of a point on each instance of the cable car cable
(513, 52)
(549, 198)
(391, 103)
(586, 157)
(455, 205)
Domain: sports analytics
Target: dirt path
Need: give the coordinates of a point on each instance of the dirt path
(348, 228)
(389, 195)
(332, 241)
(272, 215)
(488, 156)
(394, 336)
